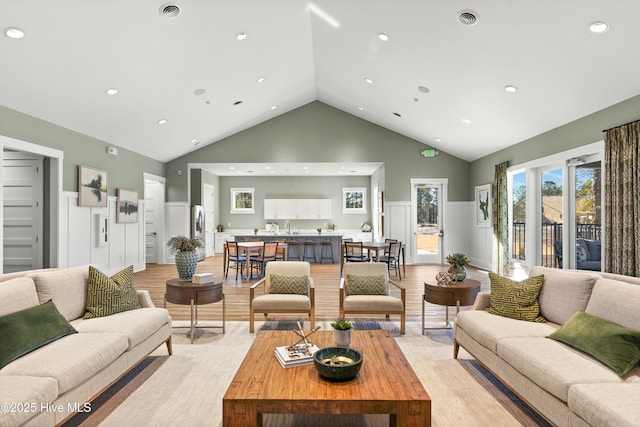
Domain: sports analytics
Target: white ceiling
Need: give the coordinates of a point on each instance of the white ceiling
(73, 51)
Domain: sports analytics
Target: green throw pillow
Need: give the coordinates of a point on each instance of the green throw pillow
(517, 300)
(29, 329)
(366, 285)
(612, 344)
(110, 295)
(288, 284)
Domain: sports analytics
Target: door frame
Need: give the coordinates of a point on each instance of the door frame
(442, 206)
(161, 181)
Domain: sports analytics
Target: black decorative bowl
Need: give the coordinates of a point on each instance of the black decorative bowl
(337, 363)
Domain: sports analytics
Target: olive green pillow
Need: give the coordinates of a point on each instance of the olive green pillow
(26, 330)
(288, 284)
(517, 300)
(612, 344)
(366, 285)
(110, 295)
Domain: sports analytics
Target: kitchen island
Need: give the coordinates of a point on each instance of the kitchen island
(334, 238)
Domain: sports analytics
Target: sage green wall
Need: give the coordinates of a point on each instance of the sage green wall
(317, 132)
(125, 170)
(574, 134)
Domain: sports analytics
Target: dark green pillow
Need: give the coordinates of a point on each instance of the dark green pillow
(517, 300)
(29, 329)
(288, 284)
(612, 344)
(366, 285)
(110, 295)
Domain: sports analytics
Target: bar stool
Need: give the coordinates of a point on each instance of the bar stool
(309, 250)
(293, 248)
(326, 251)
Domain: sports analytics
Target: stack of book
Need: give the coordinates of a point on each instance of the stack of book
(295, 355)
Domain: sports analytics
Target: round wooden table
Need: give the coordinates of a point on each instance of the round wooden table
(193, 294)
(454, 294)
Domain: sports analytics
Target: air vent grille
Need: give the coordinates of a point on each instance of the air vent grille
(468, 17)
(169, 10)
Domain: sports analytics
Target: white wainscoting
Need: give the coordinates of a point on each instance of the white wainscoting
(481, 248)
(79, 237)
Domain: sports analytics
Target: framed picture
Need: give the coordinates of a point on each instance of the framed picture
(354, 200)
(242, 201)
(92, 187)
(127, 206)
(483, 206)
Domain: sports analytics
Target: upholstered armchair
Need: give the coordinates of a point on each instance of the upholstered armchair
(288, 288)
(365, 289)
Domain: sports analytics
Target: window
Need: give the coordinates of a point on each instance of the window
(242, 201)
(519, 215)
(354, 200)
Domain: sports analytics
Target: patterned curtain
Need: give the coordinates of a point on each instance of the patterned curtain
(500, 221)
(622, 200)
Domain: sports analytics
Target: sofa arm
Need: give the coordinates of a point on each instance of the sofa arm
(144, 298)
(483, 300)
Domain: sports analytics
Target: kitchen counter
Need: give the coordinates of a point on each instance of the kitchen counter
(334, 238)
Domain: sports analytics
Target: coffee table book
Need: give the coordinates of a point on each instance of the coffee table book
(295, 355)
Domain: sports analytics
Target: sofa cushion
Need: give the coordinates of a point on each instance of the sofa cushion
(563, 293)
(71, 360)
(615, 301)
(135, 325)
(516, 300)
(365, 285)
(370, 303)
(614, 345)
(17, 294)
(23, 331)
(552, 365)
(289, 284)
(281, 302)
(109, 295)
(606, 405)
(595, 249)
(66, 287)
(28, 392)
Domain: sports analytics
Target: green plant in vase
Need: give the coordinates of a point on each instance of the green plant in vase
(342, 332)
(457, 265)
(185, 250)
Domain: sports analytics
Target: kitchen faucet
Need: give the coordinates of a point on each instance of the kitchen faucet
(288, 227)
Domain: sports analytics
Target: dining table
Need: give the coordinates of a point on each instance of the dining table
(373, 248)
(252, 249)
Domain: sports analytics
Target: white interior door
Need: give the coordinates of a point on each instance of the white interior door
(22, 206)
(209, 219)
(154, 219)
(428, 198)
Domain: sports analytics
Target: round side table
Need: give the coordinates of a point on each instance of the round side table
(193, 294)
(454, 294)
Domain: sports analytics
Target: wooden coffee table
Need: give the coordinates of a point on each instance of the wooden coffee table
(454, 294)
(386, 384)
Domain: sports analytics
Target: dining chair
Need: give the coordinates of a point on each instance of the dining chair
(259, 261)
(391, 257)
(353, 252)
(235, 260)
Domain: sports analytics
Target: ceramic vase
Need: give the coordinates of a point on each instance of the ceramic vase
(342, 337)
(186, 262)
(459, 273)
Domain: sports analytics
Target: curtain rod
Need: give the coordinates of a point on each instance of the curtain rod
(614, 127)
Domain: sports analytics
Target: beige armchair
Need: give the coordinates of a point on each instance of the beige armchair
(288, 288)
(366, 295)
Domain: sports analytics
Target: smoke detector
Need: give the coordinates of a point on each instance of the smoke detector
(169, 10)
(468, 17)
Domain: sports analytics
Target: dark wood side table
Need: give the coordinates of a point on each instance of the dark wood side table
(193, 294)
(454, 294)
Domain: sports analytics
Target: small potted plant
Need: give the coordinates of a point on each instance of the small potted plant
(342, 332)
(255, 230)
(457, 263)
(185, 250)
(319, 230)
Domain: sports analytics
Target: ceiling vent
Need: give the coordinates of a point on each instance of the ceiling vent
(468, 17)
(170, 10)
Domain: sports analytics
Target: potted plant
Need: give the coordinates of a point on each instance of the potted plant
(185, 250)
(319, 230)
(255, 230)
(457, 263)
(342, 332)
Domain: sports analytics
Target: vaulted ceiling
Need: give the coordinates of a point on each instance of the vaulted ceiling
(192, 72)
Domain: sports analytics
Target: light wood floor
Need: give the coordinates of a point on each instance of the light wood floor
(326, 279)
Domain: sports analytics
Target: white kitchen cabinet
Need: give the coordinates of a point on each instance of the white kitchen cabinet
(297, 209)
(277, 208)
(219, 239)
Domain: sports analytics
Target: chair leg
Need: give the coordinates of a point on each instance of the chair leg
(169, 346)
(456, 348)
(251, 318)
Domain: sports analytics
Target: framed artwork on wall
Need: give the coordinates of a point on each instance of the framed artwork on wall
(92, 187)
(127, 206)
(483, 206)
(242, 201)
(354, 200)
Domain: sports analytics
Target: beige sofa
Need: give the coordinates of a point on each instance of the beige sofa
(54, 382)
(565, 385)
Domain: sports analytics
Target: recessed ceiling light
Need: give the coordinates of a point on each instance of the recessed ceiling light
(598, 27)
(465, 121)
(13, 33)
(111, 91)
(383, 37)
(260, 79)
(267, 167)
(193, 141)
(360, 108)
(199, 91)
(232, 167)
(237, 103)
(305, 167)
(273, 107)
(241, 36)
(162, 121)
(423, 89)
(368, 80)
(438, 139)
(510, 88)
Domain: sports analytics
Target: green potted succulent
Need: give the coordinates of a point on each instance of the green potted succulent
(342, 332)
(185, 250)
(319, 230)
(457, 265)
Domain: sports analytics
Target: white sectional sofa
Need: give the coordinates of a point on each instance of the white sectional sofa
(565, 385)
(52, 383)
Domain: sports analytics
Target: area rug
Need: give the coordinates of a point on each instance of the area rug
(359, 325)
(186, 389)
